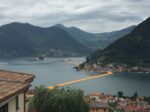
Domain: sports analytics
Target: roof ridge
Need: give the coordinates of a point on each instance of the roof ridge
(16, 72)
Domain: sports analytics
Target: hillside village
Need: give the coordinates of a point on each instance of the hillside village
(100, 102)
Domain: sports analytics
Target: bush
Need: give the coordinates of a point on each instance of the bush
(59, 100)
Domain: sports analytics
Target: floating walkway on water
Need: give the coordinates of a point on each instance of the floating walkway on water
(71, 62)
(79, 80)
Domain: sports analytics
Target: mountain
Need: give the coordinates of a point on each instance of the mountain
(78, 34)
(132, 49)
(23, 39)
(107, 38)
(95, 40)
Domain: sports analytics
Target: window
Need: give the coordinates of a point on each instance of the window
(4, 108)
(17, 103)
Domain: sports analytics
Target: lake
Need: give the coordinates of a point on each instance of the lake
(53, 71)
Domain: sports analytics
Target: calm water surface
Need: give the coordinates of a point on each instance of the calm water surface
(53, 71)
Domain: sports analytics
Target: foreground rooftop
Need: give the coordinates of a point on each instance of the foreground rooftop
(12, 83)
(15, 76)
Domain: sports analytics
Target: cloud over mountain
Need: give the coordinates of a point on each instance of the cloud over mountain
(90, 15)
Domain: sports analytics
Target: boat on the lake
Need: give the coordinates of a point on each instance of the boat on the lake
(40, 58)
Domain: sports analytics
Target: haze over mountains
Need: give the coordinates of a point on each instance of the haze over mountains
(132, 49)
(23, 39)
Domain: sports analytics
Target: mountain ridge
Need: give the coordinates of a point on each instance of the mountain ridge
(24, 39)
(27, 40)
(96, 40)
(132, 49)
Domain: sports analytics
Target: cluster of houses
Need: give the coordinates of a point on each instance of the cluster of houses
(115, 68)
(100, 102)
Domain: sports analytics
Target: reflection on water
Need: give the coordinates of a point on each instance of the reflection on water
(53, 71)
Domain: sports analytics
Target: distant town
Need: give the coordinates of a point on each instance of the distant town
(113, 67)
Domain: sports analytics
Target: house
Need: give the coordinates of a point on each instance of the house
(99, 107)
(96, 95)
(101, 97)
(13, 86)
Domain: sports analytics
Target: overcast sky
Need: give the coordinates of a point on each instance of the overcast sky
(89, 15)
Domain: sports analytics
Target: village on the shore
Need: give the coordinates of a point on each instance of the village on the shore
(113, 67)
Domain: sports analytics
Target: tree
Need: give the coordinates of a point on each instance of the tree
(120, 94)
(135, 95)
(59, 100)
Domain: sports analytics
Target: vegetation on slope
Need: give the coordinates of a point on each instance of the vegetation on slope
(59, 100)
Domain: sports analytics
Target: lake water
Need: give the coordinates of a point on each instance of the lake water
(53, 71)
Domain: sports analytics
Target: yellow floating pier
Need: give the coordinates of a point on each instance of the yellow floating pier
(79, 80)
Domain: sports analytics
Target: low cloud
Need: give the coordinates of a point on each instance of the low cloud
(89, 15)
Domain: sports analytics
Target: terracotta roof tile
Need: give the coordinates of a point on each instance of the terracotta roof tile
(16, 76)
(9, 89)
(12, 83)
